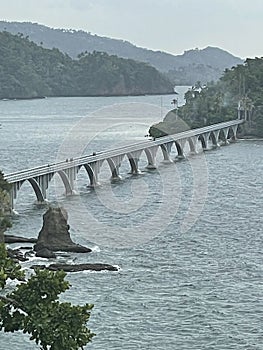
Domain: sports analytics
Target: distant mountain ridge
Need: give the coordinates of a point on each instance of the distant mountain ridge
(203, 65)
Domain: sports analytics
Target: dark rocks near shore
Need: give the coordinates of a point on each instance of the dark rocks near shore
(16, 255)
(54, 235)
(18, 239)
(77, 267)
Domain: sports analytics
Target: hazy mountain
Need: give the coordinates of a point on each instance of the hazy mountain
(204, 65)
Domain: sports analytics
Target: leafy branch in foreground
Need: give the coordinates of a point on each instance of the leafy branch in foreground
(8, 268)
(34, 308)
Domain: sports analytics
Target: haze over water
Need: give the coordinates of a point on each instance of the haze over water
(199, 288)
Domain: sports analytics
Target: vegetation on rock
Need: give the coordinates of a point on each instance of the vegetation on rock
(238, 93)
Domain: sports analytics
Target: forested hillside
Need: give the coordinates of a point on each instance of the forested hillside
(28, 70)
(204, 65)
(239, 93)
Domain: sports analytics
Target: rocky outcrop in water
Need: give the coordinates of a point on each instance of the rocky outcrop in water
(54, 235)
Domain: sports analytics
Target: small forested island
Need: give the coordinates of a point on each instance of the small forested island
(28, 70)
(237, 94)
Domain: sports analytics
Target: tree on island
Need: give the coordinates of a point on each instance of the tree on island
(33, 306)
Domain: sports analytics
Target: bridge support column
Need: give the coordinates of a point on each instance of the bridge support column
(180, 149)
(193, 144)
(115, 163)
(151, 157)
(234, 137)
(13, 193)
(166, 149)
(204, 138)
(93, 172)
(214, 137)
(134, 158)
(70, 181)
(224, 133)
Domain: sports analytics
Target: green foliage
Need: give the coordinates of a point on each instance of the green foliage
(28, 70)
(218, 102)
(8, 268)
(34, 308)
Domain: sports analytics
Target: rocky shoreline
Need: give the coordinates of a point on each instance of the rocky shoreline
(54, 236)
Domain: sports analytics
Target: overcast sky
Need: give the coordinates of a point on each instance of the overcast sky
(166, 25)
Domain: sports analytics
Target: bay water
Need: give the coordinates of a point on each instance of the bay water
(187, 237)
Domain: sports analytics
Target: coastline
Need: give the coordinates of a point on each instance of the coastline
(90, 95)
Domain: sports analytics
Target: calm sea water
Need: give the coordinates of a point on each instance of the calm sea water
(187, 237)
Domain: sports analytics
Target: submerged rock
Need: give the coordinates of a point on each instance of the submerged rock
(55, 236)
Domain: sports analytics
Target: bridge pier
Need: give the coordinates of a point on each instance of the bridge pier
(166, 149)
(214, 135)
(193, 145)
(180, 149)
(93, 169)
(70, 179)
(115, 163)
(204, 138)
(151, 153)
(224, 133)
(134, 158)
(15, 187)
(234, 137)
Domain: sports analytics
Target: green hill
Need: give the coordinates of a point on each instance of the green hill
(28, 70)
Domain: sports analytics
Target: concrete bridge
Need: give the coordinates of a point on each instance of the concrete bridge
(39, 177)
